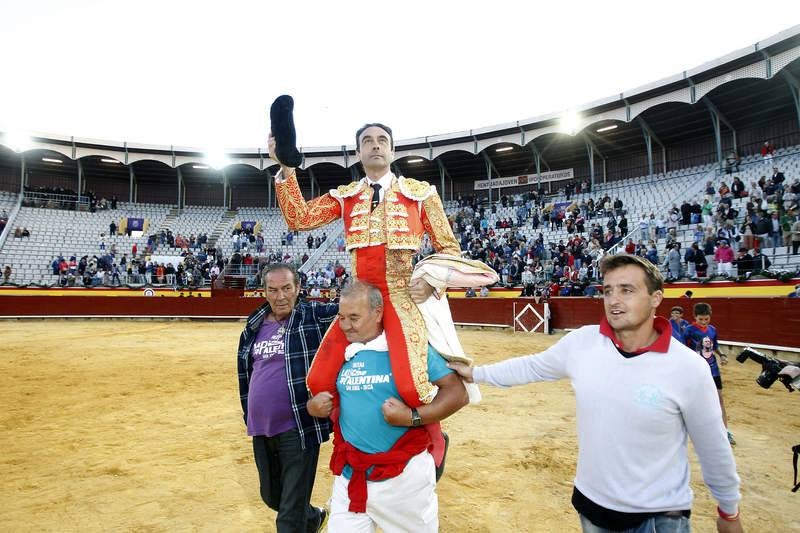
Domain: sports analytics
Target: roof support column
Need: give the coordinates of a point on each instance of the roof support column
(131, 181)
(180, 185)
(226, 190)
(649, 137)
(717, 137)
(717, 119)
(442, 174)
(489, 168)
(354, 176)
(22, 171)
(80, 181)
(591, 149)
(270, 185)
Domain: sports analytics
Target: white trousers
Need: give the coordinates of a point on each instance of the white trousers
(725, 269)
(406, 503)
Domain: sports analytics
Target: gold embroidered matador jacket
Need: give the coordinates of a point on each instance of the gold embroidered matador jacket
(382, 243)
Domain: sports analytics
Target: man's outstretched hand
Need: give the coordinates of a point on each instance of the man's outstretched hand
(462, 370)
(271, 144)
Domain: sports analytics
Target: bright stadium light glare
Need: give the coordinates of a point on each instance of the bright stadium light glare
(504, 149)
(607, 128)
(112, 161)
(417, 160)
(51, 160)
(569, 122)
(17, 141)
(200, 167)
(216, 159)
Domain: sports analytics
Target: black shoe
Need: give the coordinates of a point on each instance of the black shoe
(282, 124)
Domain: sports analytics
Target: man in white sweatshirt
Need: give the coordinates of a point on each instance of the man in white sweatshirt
(639, 395)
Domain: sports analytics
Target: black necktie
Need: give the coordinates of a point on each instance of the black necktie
(376, 195)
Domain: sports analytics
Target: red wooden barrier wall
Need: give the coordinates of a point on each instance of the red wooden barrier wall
(773, 321)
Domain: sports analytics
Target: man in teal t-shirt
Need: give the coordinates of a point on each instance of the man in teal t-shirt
(384, 442)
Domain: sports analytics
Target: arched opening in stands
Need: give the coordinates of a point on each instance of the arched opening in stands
(10, 170)
(154, 182)
(105, 177)
(51, 171)
(249, 187)
(202, 185)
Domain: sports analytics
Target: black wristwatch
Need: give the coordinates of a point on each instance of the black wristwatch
(416, 420)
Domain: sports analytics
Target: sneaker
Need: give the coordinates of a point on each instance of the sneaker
(731, 440)
(323, 519)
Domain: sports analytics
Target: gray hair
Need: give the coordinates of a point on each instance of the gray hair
(357, 287)
(274, 267)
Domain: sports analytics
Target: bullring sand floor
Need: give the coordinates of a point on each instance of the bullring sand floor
(136, 426)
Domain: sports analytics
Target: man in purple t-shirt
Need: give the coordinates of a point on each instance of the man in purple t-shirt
(275, 351)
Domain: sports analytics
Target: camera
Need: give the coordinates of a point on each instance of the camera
(770, 367)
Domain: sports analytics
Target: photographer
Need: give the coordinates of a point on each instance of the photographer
(792, 373)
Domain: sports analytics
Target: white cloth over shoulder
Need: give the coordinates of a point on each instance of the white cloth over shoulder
(442, 271)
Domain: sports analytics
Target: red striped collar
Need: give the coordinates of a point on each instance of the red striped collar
(661, 344)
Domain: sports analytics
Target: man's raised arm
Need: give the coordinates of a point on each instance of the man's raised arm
(299, 214)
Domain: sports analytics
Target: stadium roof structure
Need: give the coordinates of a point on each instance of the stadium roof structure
(748, 88)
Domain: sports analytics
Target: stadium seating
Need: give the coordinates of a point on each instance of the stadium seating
(55, 232)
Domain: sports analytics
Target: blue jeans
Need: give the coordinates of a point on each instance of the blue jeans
(657, 524)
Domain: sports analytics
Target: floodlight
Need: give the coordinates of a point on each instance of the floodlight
(417, 160)
(51, 160)
(608, 128)
(17, 141)
(504, 149)
(201, 167)
(217, 159)
(569, 122)
(112, 161)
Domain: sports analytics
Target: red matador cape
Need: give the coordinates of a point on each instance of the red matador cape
(381, 245)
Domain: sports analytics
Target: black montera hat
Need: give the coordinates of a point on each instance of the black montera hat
(282, 124)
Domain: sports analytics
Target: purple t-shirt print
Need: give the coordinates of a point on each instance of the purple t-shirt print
(269, 410)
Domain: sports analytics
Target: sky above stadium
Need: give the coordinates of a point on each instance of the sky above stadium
(203, 74)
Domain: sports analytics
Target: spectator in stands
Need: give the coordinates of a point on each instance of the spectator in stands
(761, 262)
(777, 177)
(775, 231)
(723, 257)
(767, 151)
(744, 262)
(724, 190)
(310, 241)
(690, 257)
(7, 274)
(18, 233)
(796, 235)
(738, 188)
(763, 227)
(686, 213)
(115, 275)
(160, 273)
(112, 228)
(673, 261)
(470, 293)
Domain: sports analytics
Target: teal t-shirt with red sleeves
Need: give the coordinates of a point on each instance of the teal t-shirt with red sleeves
(363, 384)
